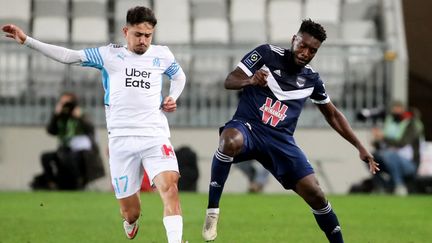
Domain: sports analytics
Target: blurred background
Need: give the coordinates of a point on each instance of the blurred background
(377, 51)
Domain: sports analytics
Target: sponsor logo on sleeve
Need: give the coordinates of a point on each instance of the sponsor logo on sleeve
(252, 59)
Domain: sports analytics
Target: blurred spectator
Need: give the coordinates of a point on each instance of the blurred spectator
(76, 161)
(397, 147)
(257, 175)
(188, 166)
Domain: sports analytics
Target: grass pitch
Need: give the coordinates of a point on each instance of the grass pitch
(44, 217)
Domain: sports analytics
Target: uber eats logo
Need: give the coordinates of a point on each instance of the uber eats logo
(137, 78)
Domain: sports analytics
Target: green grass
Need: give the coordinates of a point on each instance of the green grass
(44, 217)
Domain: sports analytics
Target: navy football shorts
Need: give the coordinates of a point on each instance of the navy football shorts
(275, 150)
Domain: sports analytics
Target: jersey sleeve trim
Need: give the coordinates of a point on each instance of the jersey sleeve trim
(94, 58)
(172, 69)
(321, 102)
(245, 69)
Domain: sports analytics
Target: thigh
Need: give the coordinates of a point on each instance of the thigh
(159, 157)
(125, 166)
(248, 151)
(289, 162)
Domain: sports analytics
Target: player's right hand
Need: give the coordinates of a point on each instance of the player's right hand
(368, 158)
(260, 78)
(14, 32)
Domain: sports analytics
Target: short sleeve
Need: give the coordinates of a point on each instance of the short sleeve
(254, 60)
(319, 95)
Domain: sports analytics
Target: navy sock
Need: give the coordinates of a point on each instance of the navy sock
(219, 173)
(329, 223)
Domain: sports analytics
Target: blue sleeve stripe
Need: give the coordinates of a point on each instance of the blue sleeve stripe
(100, 56)
(97, 57)
(172, 69)
(93, 56)
(87, 54)
(90, 57)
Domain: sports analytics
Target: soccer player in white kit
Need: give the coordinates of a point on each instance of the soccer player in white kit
(137, 127)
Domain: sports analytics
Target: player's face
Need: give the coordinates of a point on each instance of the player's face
(304, 48)
(138, 37)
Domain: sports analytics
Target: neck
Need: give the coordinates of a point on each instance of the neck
(293, 66)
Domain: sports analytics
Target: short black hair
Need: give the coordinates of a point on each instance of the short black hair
(314, 29)
(140, 14)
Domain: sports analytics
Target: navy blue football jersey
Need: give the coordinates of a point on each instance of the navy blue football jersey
(280, 103)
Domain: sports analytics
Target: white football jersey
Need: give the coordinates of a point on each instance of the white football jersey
(133, 87)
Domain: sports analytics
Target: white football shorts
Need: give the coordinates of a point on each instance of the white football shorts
(130, 155)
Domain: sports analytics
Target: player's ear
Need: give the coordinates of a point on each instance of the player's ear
(125, 30)
(293, 39)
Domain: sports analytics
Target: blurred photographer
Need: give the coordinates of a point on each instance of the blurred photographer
(77, 160)
(397, 148)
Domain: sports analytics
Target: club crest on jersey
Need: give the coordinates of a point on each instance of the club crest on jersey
(156, 62)
(273, 113)
(300, 81)
(252, 59)
(167, 151)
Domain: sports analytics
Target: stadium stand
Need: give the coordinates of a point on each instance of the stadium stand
(282, 26)
(89, 21)
(14, 66)
(359, 9)
(248, 21)
(173, 26)
(352, 64)
(18, 12)
(210, 22)
(330, 18)
(50, 20)
(208, 38)
(50, 24)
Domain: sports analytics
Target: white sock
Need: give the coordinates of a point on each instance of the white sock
(174, 228)
(212, 211)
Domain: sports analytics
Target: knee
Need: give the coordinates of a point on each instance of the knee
(170, 190)
(318, 200)
(170, 199)
(231, 145)
(315, 198)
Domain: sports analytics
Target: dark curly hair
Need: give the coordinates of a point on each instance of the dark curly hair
(140, 14)
(314, 29)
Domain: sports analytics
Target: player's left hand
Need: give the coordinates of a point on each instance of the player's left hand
(14, 32)
(169, 104)
(368, 158)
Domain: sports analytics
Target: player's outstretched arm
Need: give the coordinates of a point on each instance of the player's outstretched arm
(339, 123)
(14, 32)
(57, 53)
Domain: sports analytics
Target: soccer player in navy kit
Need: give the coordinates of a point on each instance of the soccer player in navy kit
(276, 83)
